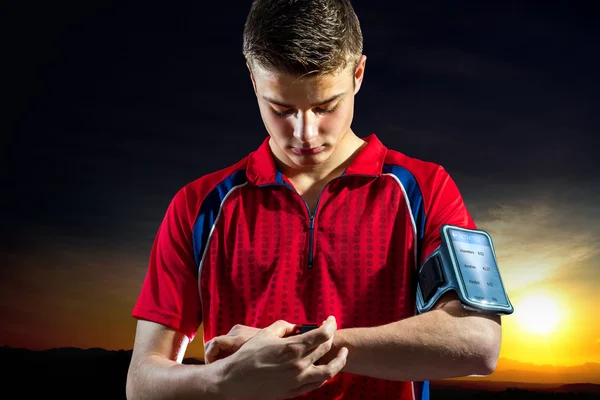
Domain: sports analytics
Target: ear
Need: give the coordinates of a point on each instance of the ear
(251, 76)
(359, 74)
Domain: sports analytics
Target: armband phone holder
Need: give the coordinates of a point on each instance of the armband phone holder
(464, 262)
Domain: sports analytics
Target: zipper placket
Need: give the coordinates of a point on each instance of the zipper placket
(311, 223)
(311, 216)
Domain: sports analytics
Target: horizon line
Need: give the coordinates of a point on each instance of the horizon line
(198, 358)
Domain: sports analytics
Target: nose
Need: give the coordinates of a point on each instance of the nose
(305, 128)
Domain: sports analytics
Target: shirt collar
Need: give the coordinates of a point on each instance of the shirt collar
(262, 170)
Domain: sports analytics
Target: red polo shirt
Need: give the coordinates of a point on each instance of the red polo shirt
(240, 246)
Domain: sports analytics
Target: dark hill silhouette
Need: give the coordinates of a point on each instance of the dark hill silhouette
(71, 373)
(580, 387)
(66, 373)
(511, 370)
(450, 389)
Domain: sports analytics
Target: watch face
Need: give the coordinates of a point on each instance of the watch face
(476, 262)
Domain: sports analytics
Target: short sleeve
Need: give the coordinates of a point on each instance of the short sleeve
(169, 294)
(444, 205)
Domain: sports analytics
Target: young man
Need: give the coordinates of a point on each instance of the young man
(316, 223)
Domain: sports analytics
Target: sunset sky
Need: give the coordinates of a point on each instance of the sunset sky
(114, 108)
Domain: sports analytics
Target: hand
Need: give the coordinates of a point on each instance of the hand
(272, 366)
(223, 346)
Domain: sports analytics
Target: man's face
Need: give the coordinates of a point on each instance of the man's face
(307, 118)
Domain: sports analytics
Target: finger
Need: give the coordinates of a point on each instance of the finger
(320, 373)
(312, 356)
(279, 328)
(227, 344)
(218, 345)
(310, 340)
(211, 352)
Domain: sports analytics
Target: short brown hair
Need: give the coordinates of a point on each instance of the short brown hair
(301, 37)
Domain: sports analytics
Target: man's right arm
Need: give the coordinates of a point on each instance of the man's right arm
(271, 365)
(156, 372)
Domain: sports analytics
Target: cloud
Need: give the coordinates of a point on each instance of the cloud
(539, 234)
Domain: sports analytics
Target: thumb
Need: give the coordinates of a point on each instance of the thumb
(221, 343)
(280, 328)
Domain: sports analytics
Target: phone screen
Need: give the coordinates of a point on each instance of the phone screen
(476, 262)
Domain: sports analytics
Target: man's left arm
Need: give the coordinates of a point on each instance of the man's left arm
(445, 342)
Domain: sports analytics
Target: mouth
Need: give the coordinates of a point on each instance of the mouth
(307, 152)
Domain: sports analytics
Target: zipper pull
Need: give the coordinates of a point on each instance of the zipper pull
(312, 221)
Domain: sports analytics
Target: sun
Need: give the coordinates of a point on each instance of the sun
(538, 314)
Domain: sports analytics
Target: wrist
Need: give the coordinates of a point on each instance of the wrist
(219, 372)
(339, 341)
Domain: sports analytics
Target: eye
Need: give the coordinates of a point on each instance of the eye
(326, 111)
(285, 113)
(318, 110)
